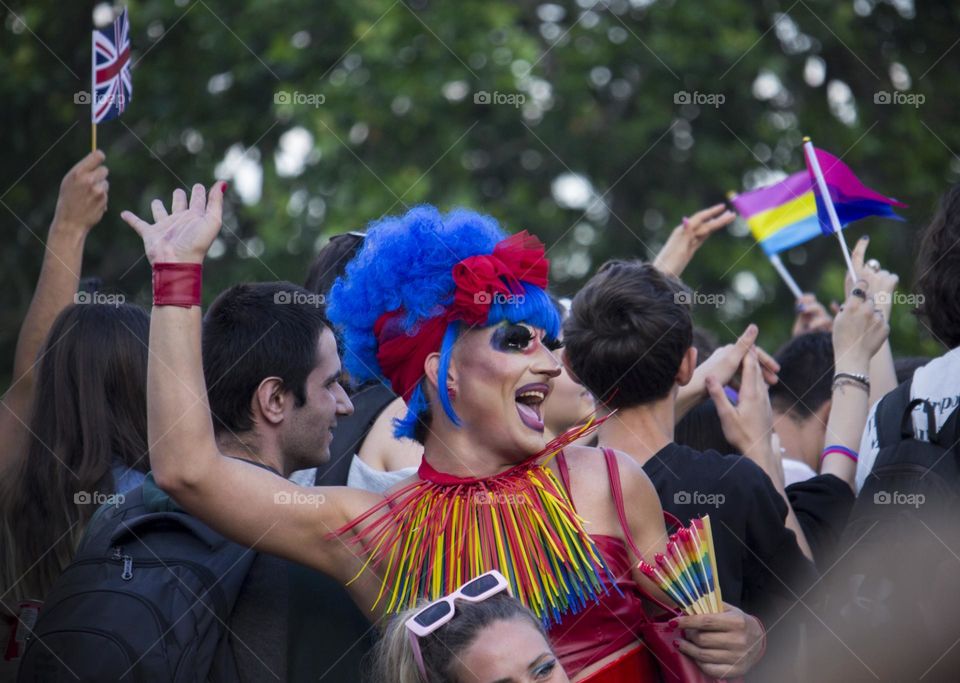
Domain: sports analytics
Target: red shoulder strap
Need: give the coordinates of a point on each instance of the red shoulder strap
(613, 471)
(564, 473)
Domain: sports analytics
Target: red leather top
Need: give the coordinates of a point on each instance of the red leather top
(609, 624)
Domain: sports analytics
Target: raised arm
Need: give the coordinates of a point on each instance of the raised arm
(689, 236)
(245, 503)
(881, 284)
(749, 427)
(80, 205)
(859, 330)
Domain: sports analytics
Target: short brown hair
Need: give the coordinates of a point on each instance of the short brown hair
(627, 333)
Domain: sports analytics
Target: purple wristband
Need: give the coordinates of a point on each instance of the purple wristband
(843, 450)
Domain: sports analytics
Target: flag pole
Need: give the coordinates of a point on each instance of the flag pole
(814, 165)
(785, 274)
(93, 91)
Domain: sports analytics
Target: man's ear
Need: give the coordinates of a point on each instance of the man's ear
(687, 365)
(269, 401)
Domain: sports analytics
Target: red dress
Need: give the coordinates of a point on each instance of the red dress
(610, 623)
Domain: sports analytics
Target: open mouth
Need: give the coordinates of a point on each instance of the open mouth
(530, 398)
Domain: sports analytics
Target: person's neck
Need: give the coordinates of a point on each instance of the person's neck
(794, 441)
(454, 452)
(640, 431)
(248, 447)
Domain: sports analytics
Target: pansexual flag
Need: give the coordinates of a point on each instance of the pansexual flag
(790, 212)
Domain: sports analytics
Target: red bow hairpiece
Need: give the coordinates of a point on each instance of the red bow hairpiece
(479, 281)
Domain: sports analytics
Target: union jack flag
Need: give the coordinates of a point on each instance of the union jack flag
(112, 85)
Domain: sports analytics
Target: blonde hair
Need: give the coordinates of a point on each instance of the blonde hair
(393, 661)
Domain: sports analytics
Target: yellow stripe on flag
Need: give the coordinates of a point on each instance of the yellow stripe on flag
(765, 223)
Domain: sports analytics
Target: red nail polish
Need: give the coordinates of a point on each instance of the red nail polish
(676, 644)
(672, 623)
(224, 183)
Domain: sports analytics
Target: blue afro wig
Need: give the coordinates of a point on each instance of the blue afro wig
(407, 263)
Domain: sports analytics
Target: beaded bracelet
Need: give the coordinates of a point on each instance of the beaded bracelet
(843, 450)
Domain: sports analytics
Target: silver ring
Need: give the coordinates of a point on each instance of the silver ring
(874, 265)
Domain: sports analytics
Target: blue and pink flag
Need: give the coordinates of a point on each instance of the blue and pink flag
(112, 84)
(851, 198)
(791, 212)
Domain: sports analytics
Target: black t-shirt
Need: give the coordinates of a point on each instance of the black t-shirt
(762, 569)
(822, 505)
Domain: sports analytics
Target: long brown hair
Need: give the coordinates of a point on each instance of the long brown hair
(89, 413)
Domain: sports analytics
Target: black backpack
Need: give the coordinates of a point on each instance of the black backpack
(922, 476)
(146, 598)
(898, 579)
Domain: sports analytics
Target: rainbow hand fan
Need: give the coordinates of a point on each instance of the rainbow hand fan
(687, 572)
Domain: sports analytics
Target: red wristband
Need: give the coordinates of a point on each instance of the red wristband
(177, 284)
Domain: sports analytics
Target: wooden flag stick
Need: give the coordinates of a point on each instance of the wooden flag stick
(93, 137)
(828, 202)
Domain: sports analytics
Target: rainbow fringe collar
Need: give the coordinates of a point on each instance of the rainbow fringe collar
(439, 532)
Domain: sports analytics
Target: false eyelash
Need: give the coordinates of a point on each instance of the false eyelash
(516, 337)
(553, 344)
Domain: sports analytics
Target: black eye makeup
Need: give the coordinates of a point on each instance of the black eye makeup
(512, 338)
(553, 344)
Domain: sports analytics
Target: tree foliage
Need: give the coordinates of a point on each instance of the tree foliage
(607, 122)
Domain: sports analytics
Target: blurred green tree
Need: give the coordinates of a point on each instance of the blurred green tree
(596, 125)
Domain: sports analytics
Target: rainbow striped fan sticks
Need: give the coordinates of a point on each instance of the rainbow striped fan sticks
(687, 572)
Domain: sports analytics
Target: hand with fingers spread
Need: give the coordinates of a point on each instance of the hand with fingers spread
(723, 645)
(881, 283)
(812, 316)
(83, 196)
(687, 237)
(185, 234)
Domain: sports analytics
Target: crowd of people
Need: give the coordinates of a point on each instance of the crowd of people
(422, 466)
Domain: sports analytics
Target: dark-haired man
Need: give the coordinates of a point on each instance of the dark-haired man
(801, 402)
(273, 384)
(629, 340)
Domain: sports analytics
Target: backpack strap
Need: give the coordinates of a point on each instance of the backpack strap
(616, 489)
(894, 416)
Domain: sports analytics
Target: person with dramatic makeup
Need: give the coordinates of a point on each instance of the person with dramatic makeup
(455, 316)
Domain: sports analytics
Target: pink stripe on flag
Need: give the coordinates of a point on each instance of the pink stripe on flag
(757, 201)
